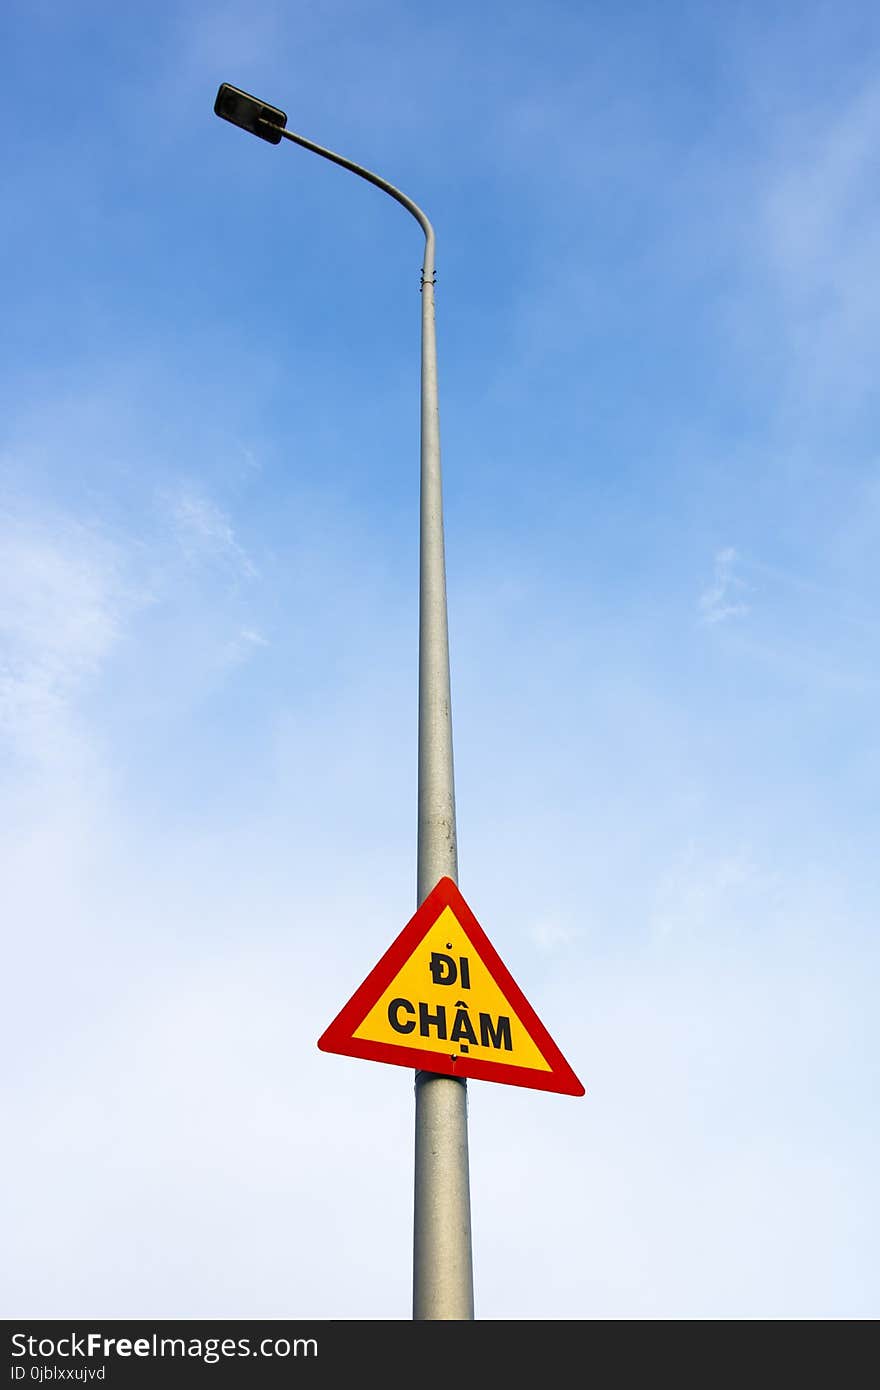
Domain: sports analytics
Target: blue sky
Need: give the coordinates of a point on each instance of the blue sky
(658, 231)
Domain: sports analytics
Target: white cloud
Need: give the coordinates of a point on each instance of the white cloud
(64, 599)
(820, 242)
(550, 935)
(57, 608)
(703, 891)
(718, 603)
(204, 531)
(241, 647)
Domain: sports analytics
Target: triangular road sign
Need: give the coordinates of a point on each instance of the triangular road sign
(441, 1000)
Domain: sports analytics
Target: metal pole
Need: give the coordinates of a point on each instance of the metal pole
(443, 1285)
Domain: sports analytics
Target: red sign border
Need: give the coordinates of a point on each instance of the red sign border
(339, 1037)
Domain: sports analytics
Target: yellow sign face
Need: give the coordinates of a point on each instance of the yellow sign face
(444, 1000)
(441, 1000)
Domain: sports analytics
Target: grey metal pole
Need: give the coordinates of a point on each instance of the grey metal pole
(443, 1284)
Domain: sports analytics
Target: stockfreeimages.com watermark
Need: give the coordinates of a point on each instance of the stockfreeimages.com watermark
(96, 1346)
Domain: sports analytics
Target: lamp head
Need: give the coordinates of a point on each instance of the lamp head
(251, 114)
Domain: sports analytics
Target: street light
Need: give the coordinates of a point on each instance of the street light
(442, 1260)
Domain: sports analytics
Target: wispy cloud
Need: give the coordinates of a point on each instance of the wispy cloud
(550, 936)
(820, 230)
(64, 598)
(719, 602)
(244, 644)
(204, 532)
(703, 890)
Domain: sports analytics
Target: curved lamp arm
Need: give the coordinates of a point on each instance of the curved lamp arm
(437, 847)
(421, 218)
